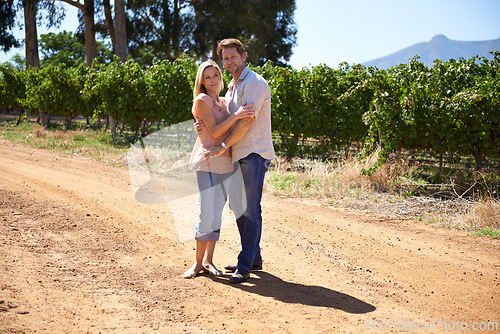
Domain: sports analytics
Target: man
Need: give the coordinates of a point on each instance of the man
(251, 147)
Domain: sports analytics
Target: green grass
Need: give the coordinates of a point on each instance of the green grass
(77, 141)
(487, 232)
(282, 182)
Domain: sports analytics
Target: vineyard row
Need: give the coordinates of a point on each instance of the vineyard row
(452, 107)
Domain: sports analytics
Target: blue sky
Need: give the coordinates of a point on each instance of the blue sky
(355, 31)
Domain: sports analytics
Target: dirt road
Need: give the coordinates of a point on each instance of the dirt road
(79, 255)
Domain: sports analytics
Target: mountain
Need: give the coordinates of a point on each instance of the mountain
(439, 47)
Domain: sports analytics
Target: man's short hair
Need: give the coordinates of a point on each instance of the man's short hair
(230, 43)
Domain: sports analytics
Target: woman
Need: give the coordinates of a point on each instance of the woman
(213, 175)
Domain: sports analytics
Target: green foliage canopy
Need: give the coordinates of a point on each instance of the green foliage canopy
(452, 107)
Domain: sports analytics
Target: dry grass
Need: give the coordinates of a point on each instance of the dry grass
(343, 184)
(326, 180)
(312, 179)
(350, 174)
(40, 132)
(78, 142)
(483, 213)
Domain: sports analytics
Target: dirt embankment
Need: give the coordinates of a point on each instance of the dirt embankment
(79, 255)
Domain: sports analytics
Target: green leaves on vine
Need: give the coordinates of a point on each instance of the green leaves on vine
(452, 107)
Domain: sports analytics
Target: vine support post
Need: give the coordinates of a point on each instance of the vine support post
(112, 125)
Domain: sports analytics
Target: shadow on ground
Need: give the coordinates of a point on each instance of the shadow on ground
(266, 284)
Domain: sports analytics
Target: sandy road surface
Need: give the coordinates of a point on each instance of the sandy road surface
(79, 255)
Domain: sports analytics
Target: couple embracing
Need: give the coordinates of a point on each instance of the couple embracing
(234, 135)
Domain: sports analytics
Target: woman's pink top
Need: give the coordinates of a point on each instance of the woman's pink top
(221, 164)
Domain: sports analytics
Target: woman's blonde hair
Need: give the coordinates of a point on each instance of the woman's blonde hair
(198, 86)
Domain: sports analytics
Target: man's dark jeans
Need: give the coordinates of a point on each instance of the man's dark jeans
(253, 169)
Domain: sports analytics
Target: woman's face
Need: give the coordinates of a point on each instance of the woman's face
(211, 79)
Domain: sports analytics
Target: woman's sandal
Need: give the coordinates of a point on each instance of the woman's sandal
(212, 270)
(192, 272)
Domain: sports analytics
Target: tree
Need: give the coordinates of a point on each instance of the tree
(12, 86)
(30, 11)
(32, 57)
(120, 46)
(270, 32)
(168, 28)
(54, 17)
(214, 25)
(159, 29)
(109, 22)
(65, 48)
(7, 21)
(268, 29)
(90, 43)
(87, 9)
(61, 48)
(118, 33)
(117, 30)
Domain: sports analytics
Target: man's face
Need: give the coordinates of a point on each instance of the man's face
(232, 60)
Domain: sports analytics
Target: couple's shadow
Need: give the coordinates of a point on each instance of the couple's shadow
(265, 284)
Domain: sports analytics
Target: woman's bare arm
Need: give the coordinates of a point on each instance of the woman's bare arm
(206, 115)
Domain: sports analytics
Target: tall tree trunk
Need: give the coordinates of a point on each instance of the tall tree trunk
(87, 9)
(120, 30)
(90, 43)
(176, 30)
(167, 28)
(215, 57)
(109, 22)
(112, 124)
(478, 161)
(120, 47)
(32, 56)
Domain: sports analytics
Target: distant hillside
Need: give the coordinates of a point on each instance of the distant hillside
(440, 47)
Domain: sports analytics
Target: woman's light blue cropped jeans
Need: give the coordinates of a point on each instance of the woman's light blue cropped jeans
(213, 189)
